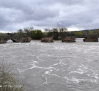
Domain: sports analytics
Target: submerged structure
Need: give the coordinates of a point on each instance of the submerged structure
(68, 39)
(91, 39)
(15, 39)
(47, 39)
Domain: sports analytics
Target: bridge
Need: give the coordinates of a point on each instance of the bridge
(4, 39)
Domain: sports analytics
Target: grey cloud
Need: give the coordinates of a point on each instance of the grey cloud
(41, 14)
(70, 2)
(3, 23)
(44, 13)
(17, 5)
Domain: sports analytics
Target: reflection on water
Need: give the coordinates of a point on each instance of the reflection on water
(55, 66)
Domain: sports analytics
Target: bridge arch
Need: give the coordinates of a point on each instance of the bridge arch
(14, 39)
(9, 41)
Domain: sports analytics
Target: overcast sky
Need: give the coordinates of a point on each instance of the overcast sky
(41, 14)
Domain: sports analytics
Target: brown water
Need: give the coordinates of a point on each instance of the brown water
(55, 66)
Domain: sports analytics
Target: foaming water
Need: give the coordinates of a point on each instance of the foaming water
(55, 66)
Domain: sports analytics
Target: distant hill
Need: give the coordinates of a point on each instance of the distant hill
(89, 29)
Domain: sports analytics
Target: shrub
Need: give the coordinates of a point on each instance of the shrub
(7, 80)
(36, 34)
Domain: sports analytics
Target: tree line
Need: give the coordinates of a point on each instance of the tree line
(55, 32)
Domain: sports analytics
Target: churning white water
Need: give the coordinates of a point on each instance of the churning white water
(55, 66)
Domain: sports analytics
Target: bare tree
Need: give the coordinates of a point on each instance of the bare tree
(62, 28)
(28, 30)
(47, 30)
(7, 80)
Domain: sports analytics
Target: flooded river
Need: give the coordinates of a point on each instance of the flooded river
(55, 66)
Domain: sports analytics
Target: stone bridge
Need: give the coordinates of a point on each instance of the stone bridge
(4, 39)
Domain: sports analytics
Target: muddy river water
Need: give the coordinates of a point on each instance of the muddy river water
(55, 66)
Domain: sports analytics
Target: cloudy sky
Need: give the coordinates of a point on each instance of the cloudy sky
(41, 14)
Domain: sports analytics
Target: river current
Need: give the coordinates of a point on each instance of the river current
(55, 66)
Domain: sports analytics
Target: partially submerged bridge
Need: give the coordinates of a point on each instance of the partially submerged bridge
(4, 39)
(22, 39)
